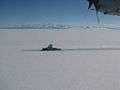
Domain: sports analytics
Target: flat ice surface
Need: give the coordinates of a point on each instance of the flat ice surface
(59, 70)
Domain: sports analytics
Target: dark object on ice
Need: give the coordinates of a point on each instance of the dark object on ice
(50, 48)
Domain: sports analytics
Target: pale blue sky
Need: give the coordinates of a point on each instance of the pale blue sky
(50, 11)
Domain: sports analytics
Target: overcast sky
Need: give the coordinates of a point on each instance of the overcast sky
(50, 11)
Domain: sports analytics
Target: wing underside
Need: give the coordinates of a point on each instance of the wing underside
(110, 7)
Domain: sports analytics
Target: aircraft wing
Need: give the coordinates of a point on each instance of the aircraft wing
(110, 7)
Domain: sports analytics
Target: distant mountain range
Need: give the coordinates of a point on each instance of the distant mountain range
(36, 26)
(58, 26)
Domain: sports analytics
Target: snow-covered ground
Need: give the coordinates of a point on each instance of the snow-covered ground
(59, 70)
